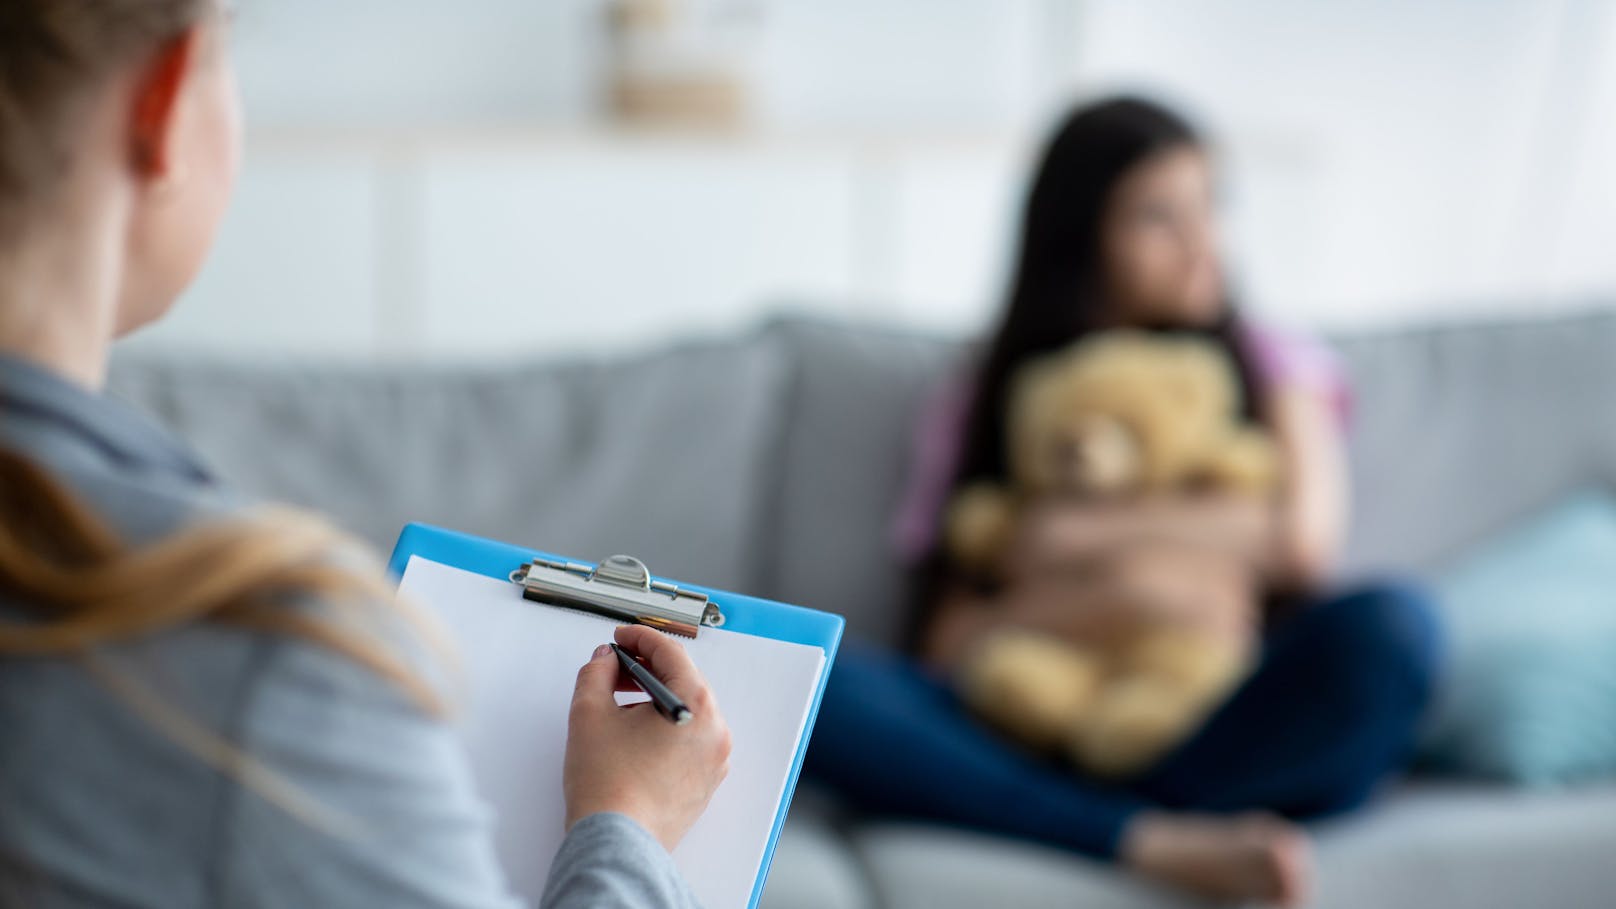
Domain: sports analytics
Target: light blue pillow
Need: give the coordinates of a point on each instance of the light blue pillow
(1530, 693)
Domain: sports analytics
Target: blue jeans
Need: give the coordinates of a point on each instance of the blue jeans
(1330, 711)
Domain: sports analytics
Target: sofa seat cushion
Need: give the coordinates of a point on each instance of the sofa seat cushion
(1474, 845)
(815, 866)
(1423, 844)
(924, 866)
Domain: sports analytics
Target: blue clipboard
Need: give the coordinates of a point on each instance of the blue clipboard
(747, 615)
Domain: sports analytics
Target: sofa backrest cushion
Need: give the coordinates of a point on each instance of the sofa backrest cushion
(851, 408)
(1460, 431)
(661, 456)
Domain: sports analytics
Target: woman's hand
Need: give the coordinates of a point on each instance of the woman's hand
(631, 760)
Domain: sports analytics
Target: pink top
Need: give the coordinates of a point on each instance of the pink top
(1281, 359)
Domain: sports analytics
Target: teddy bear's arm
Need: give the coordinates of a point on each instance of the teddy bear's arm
(1244, 462)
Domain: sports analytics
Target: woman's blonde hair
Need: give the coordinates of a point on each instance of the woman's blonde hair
(80, 586)
(73, 590)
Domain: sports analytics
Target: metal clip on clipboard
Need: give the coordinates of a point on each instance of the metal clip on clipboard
(619, 588)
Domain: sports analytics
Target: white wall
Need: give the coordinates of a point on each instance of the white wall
(357, 63)
(370, 62)
(430, 178)
(1393, 157)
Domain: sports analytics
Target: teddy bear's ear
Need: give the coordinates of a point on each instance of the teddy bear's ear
(1033, 396)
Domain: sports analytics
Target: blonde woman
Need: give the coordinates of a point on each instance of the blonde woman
(202, 703)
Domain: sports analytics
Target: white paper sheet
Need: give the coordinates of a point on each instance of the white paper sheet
(519, 661)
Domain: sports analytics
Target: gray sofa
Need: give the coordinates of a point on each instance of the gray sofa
(770, 463)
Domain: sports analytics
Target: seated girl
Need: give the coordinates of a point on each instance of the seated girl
(1120, 232)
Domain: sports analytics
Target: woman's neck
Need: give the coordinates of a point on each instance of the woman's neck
(59, 297)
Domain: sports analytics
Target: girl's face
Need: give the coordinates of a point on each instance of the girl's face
(178, 215)
(1159, 242)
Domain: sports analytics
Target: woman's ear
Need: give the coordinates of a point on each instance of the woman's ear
(159, 87)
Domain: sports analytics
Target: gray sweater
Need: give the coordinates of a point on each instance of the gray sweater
(369, 803)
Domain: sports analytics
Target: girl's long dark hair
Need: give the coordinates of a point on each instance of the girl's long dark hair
(1058, 293)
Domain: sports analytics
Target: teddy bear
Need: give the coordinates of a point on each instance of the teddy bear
(1119, 416)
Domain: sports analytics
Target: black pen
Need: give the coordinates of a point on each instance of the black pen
(667, 703)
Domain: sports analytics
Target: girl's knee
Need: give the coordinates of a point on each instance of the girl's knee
(871, 678)
(1390, 627)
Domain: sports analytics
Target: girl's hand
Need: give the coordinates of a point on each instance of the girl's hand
(1062, 535)
(631, 760)
(1056, 535)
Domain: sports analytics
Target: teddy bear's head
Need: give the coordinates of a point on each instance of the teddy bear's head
(1120, 413)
